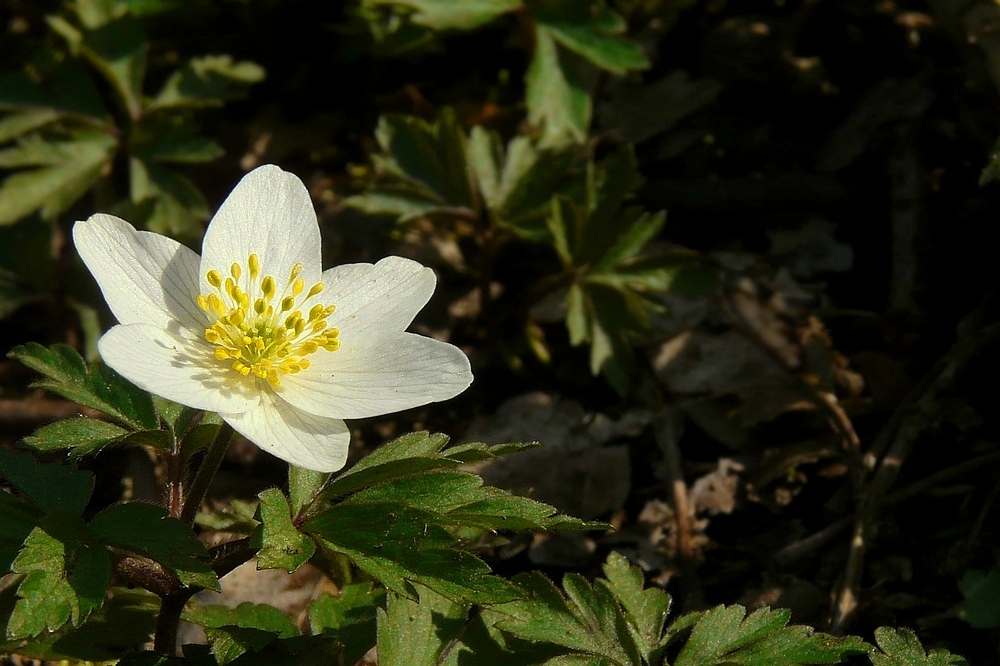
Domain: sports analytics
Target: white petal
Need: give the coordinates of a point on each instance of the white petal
(269, 213)
(376, 299)
(177, 367)
(399, 372)
(146, 278)
(301, 439)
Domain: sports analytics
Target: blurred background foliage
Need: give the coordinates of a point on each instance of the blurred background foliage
(729, 261)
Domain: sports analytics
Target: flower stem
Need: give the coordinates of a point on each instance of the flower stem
(171, 607)
(206, 472)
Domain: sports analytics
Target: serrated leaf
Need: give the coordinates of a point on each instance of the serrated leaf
(596, 34)
(207, 81)
(282, 546)
(410, 453)
(65, 577)
(49, 486)
(646, 609)
(146, 529)
(556, 96)
(81, 435)
(415, 632)
(349, 618)
(430, 158)
(408, 545)
(726, 635)
(235, 631)
(449, 15)
(98, 387)
(72, 168)
(586, 621)
(901, 647)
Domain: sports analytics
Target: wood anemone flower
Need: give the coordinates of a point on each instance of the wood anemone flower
(255, 330)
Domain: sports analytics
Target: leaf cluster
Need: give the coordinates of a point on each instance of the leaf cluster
(62, 134)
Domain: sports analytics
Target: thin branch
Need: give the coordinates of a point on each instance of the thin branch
(206, 472)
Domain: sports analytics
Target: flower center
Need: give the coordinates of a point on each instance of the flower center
(261, 332)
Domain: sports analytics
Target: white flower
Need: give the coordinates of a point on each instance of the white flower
(255, 330)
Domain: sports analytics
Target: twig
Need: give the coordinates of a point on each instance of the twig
(896, 439)
(693, 597)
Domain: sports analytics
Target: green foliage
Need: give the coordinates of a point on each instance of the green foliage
(349, 618)
(981, 607)
(901, 647)
(66, 136)
(447, 15)
(147, 530)
(409, 489)
(281, 545)
(235, 631)
(726, 635)
(98, 387)
(409, 629)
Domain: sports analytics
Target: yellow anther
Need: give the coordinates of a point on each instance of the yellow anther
(267, 287)
(248, 334)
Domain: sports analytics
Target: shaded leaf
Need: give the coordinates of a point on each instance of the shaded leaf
(235, 631)
(146, 529)
(98, 386)
(557, 98)
(207, 81)
(349, 618)
(415, 632)
(65, 577)
(49, 486)
(447, 14)
(981, 607)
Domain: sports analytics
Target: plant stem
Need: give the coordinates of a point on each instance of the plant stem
(171, 607)
(206, 472)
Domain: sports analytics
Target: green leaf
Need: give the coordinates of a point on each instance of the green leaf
(118, 51)
(429, 160)
(69, 169)
(349, 618)
(415, 632)
(15, 124)
(281, 545)
(646, 609)
(236, 631)
(49, 486)
(408, 545)
(726, 635)
(596, 34)
(901, 647)
(166, 202)
(556, 96)
(414, 452)
(81, 435)
(66, 89)
(586, 621)
(207, 81)
(98, 387)
(449, 15)
(981, 607)
(148, 530)
(65, 577)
